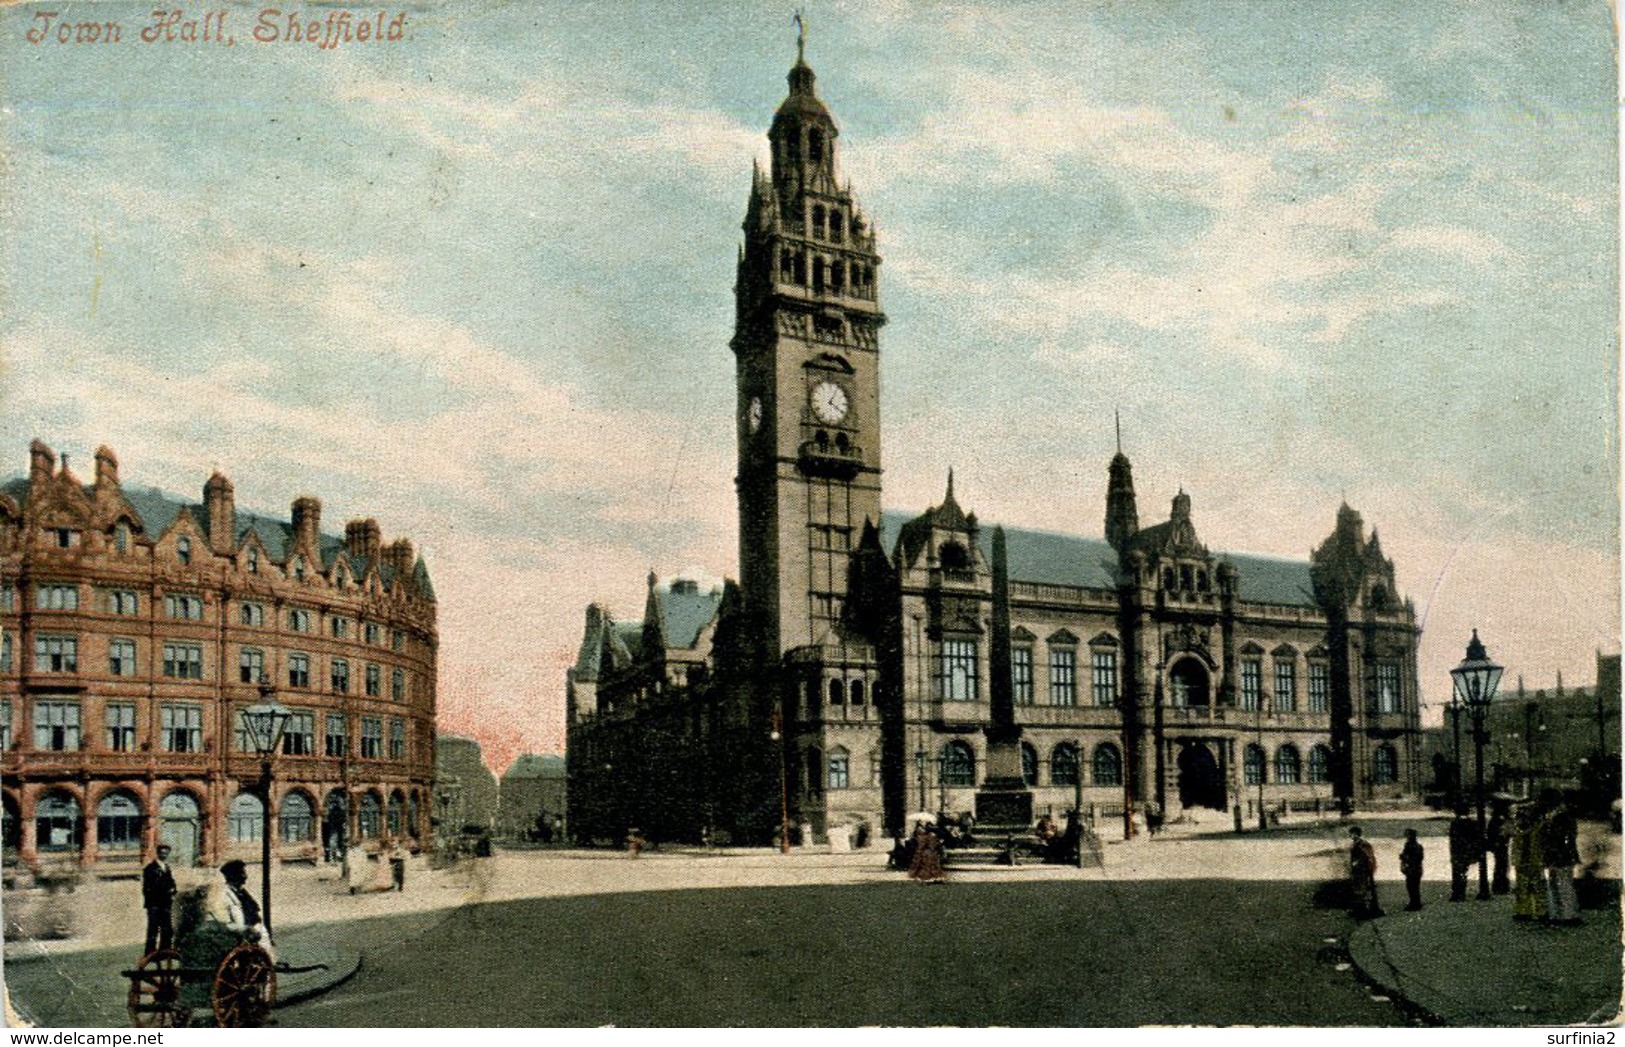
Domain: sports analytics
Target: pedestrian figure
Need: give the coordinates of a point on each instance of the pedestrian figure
(634, 842)
(1499, 840)
(1465, 847)
(157, 895)
(1529, 897)
(1153, 817)
(1363, 876)
(927, 864)
(1559, 852)
(1410, 863)
(397, 866)
(242, 912)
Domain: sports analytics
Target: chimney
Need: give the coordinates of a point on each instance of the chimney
(41, 463)
(106, 467)
(363, 539)
(307, 523)
(220, 508)
(400, 557)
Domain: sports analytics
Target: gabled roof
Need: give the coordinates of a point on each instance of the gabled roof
(687, 613)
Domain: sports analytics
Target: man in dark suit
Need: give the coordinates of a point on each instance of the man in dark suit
(157, 894)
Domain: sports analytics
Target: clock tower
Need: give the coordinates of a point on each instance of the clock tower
(806, 342)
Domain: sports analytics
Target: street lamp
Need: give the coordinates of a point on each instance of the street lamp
(1476, 679)
(919, 773)
(264, 724)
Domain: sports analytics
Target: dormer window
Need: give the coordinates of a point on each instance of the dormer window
(253, 561)
(64, 537)
(121, 536)
(183, 549)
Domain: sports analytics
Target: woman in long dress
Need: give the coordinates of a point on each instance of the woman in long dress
(1529, 893)
(927, 864)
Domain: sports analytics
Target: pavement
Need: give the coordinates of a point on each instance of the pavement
(1470, 964)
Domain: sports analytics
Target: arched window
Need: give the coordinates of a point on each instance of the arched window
(57, 822)
(837, 276)
(1287, 765)
(371, 816)
(818, 221)
(121, 536)
(1252, 764)
(857, 692)
(839, 776)
(1063, 764)
(118, 823)
(245, 818)
(837, 692)
(183, 549)
(296, 818)
(397, 812)
(953, 557)
(818, 275)
(1029, 764)
(253, 560)
(1320, 765)
(958, 764)
(1108, 765)
(1385, 765)
(835, 226)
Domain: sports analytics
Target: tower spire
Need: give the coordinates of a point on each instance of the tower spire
(1117, 415)
(801, 36)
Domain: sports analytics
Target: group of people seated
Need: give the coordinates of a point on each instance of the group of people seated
(922, 852)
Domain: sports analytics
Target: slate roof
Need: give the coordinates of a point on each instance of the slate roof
(1090, 563)
(687, 614)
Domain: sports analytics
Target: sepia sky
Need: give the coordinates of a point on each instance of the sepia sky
(477, 283)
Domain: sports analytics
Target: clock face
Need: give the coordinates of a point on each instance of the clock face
(829, 402)
(753, 414)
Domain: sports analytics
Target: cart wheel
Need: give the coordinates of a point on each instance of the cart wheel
(244, 988)
(155, 986)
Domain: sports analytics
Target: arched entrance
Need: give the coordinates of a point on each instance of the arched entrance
(1188, 684)
(1200, 783)
(180, 825)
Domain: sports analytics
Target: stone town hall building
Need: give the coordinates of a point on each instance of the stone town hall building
(847, 677)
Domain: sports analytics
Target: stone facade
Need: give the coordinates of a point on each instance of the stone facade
(846, 679)
(135, 627)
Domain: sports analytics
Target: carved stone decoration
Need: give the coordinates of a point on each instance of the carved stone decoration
(1188, 637)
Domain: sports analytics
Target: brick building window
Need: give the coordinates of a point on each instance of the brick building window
(839, 769)
(397, 685)
(5, 725)
(1063, 676)
(299, 737)
(183, 606)
(123, 601)
(372, 738)
(253, 560)
(956, 681)
(182, 728)
(183, 661)
(8, 597)
(1252, 682)
(298, 670)
(1252, 764)
(1286, 684)
(56, 597)
(339, 676)
(1021, 674)
(397, 740)
(374, 686)
(1388, 693)
(371, 632)
(183, 549)
(119, 719)
(340, 627)
(251, 665)
(337, 735)
(1320, 687)
(56, 726)
(1320, 765)
(1105, 678)
(5, 652)
(56, 654)
(299, 620)
(121, 657)
(251, 614)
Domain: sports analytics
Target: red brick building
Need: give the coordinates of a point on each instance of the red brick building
(135, 625)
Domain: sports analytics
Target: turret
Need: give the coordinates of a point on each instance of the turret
(219, 508)
(41, 463)
(1122, 518)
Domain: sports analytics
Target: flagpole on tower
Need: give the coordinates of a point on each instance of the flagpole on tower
(801, 35)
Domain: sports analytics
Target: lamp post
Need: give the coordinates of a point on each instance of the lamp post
(784, 783)
(919, 773)
(264, 724)
(1476, 679)
(1077, 802)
